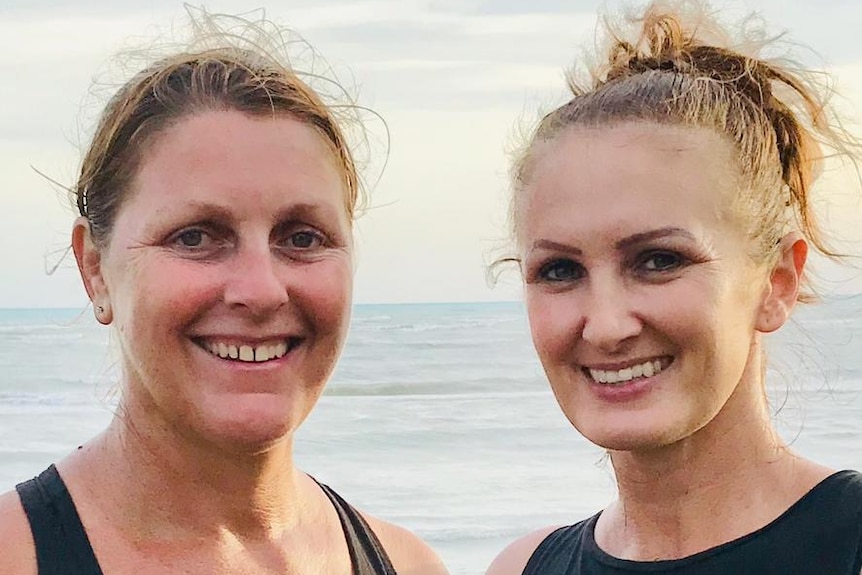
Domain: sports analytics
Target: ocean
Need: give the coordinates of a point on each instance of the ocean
(438, 417)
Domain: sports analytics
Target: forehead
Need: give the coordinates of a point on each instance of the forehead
(231, 155)
(625, 174)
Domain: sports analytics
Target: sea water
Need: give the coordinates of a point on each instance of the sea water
(438, 416)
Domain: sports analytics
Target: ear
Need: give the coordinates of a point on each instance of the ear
(784, 283)
(89, 259)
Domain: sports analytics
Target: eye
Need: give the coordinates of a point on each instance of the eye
(196, 240)
(561, 271)
(305, 239)
(191, 238)
(662, 261)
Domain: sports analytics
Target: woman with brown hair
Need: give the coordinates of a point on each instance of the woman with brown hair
(663, 218)
(216, 206)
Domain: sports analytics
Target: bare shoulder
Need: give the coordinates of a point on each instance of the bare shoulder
(19, 554)
(513, 559)
(408, 553)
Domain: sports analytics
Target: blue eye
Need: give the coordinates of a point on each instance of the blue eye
(305, 240)
(662, 261)
(561, 271)
(191, 238)
(200, 241)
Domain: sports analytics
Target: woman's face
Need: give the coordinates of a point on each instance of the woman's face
(642, 298)
(229, 276)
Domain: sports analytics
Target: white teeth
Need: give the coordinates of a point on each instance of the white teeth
(646, 369)
(649, 369)
(247, 353)
(261, 353)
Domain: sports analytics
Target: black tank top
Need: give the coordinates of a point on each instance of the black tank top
(821, 534)
(62, 546)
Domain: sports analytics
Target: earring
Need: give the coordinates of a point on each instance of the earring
(103, 316)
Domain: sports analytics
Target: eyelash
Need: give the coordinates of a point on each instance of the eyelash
(575, 271)
(177, 239)
(678, 261)
(318, 239)
(316, 236)
(545, 270)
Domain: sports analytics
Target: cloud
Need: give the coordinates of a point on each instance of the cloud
(451, 77)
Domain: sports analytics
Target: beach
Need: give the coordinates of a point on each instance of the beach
(438, 417)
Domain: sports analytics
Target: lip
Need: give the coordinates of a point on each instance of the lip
(239, 339)
(631, 390)
(665, 360)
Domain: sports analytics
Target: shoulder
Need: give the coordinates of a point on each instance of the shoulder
(513, 559)
(848, 479)
(408, 553)
(19, 553)
(840, 487)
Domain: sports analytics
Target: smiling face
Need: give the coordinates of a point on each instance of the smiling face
(642, 298)
(229, 277)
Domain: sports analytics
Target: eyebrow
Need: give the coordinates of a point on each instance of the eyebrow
(207, 209)
(302, 210)
(654, 235)
(216, 211)
(622, 244)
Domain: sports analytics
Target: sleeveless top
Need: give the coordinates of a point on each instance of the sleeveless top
(820, 534)
(62, 546)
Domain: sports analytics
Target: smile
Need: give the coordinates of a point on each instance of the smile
(645, 369)
(250, 353)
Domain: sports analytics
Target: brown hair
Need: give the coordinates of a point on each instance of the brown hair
(677, 67)
(229, 73)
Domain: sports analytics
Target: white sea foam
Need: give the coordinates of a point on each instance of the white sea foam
(438, 417)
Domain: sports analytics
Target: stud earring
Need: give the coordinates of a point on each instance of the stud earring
(103, 316)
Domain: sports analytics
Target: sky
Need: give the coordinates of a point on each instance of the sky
(455, 81)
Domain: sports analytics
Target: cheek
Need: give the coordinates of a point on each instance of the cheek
(328, 290)
(551, 330)
(174, 286)
(154, 299)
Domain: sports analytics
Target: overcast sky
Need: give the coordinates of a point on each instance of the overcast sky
(451, 78)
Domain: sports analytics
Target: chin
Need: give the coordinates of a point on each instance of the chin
(628, 437)
(248, 437)
(253, 430)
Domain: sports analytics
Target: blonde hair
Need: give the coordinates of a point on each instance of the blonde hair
(232, 63)
(674, 64)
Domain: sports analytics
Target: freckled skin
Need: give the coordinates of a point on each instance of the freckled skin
(236, 230)
(242, 191)
(593, 299)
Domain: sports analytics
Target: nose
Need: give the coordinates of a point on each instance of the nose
(256, 280)
(610, 320)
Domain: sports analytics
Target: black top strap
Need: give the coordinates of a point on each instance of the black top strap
(819, 534)
(366, 552)
(62, 546)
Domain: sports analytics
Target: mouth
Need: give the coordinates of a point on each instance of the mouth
(629, 373)
(249, 352)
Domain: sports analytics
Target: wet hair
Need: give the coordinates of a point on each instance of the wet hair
(674, 64)
(231, 64)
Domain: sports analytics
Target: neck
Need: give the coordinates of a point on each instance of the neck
(172, 484)
(728, 479)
